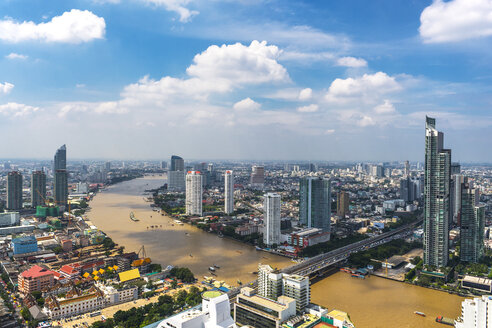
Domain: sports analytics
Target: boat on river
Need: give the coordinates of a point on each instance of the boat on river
(444, 320)
(422, 314)
(211, 268)
(133, 218)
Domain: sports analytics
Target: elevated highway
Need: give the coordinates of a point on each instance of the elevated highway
(323, 261)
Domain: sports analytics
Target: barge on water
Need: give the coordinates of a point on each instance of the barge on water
(133, 218)
(444, 320)
(422, 314)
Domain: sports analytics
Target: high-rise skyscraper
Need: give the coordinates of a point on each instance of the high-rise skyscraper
(407, 169)
(315, 203)
(472, 225)
(163, 165)
(60, 161)
(177, 163)
(38, 188)
(194, 193)
(60, 181)
(257, 176)
(176, 174)
(228, 192)
(436, 197)
(271, 219)
(14, 191)
(269, 282)
(342, 203)
(107, 166)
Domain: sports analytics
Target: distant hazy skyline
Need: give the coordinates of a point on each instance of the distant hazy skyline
(245, 79)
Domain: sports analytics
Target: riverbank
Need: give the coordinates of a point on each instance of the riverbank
(179, 245)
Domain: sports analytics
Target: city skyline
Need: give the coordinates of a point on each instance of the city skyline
(146, 78)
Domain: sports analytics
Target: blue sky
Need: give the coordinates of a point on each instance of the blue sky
(238, 79)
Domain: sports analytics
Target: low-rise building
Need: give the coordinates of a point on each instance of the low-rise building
(56, 308)
(257, 311)
(215, 312)
(123, 295)
(23, 245)
(481, 284)
(307, 237)
(36, 278)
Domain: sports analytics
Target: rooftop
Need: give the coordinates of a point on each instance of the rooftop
(36, 271)
(129, 275)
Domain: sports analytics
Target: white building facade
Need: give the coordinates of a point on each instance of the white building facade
(271, 220)
(194, 193)
(475, 313)
(229, 192)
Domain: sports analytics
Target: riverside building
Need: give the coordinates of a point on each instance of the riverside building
(271, 221)
(472, 225)
(229, 192)
(194, 193)
(315, 203)
(436, 197)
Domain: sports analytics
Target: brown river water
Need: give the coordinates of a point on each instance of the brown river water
(372, 302)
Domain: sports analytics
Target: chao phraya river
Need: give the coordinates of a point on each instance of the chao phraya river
(373, 302)
(178, 245)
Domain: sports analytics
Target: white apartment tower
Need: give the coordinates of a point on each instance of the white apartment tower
(297, 287)
(475, 313)
(194, 193)
(271, 219)
(269, 282)
(229, 192)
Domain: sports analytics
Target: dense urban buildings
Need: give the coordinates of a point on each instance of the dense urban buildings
(228, 192)
(271, 221)
(14, 191)
(315, 203)
(38, 188)
(436, 197)
(194, 193)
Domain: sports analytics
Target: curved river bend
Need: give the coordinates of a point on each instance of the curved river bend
(373, 302)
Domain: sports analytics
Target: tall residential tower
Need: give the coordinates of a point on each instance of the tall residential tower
(271, 221)
(229, 192)
(194, 193)
(14, 191)
(38, 188)
(315, 203)
(60, 181)
(436, 197)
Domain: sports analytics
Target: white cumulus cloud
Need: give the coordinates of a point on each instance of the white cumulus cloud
(306, 94)
(308, 109)
(456, 20)
(13, 55)
(15, 109)
(385, 108)
(351, 62)
(246, 104)
(178, 6)
(238, 64)
(6, 87)
(75, 26)
(366, 87)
